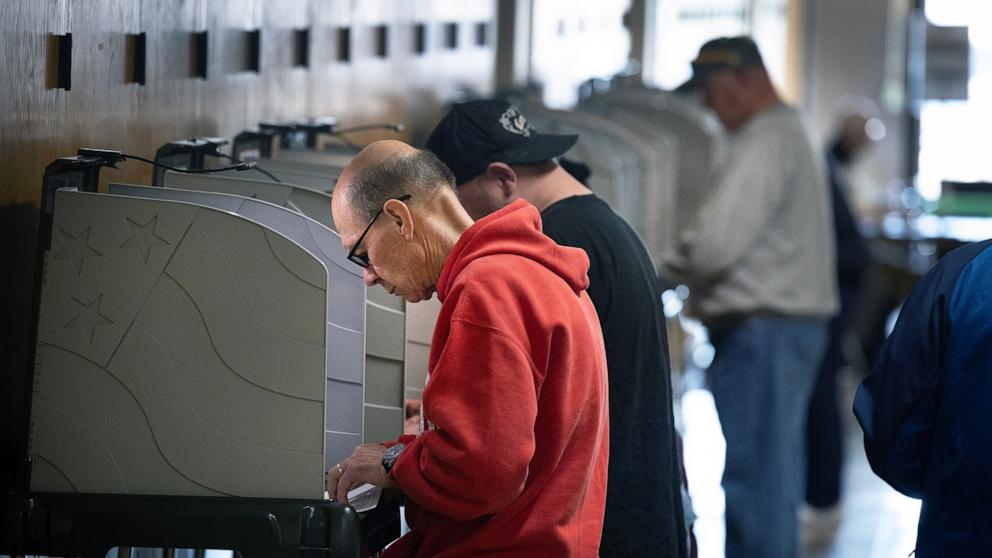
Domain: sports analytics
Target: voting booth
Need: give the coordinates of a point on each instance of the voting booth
(187, 350)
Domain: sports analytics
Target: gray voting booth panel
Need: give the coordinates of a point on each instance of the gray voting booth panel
(182, 351)
(345, 316)
(304, 165)
(658, 204)
(385, 346)
(313, 166)
(316, 178)
(617, 170)
(635, 179)
(385, 314)
(308, 175)
(334, 160)
(315, 205)
(420, 320)
(308, 168)
(698, 133)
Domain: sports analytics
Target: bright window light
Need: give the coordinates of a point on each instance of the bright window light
(954, 135)
(957, 13)
(573, 41)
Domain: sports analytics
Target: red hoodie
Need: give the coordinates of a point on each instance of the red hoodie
(513, 458)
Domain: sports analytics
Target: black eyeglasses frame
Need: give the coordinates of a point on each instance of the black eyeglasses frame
(362, 259)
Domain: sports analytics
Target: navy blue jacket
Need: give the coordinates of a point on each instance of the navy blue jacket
(926, 408)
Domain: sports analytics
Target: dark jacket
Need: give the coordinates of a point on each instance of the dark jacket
(853, 256)
(925, 408)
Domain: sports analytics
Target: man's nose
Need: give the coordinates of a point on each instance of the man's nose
(370, 276)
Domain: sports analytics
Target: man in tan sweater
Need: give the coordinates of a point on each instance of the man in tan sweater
(759, 263)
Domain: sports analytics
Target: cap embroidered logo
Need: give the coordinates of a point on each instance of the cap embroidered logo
(514, 122)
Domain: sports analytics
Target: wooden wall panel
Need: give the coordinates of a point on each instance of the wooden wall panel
(100, 107)
(170, 100)
(29, 119)
(28, 111)
(103, 109)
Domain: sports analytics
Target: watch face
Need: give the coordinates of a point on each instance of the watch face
(391, 455)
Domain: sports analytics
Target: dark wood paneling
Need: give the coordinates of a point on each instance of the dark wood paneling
(29, 116)
(105, 109)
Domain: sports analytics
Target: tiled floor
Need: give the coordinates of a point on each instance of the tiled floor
(877, 521)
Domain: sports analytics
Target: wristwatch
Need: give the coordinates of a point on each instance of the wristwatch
(391, 455)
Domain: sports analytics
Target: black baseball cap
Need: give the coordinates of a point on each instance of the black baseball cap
(474, 134)
(724, 53)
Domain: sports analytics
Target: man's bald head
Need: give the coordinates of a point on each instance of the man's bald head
(397, 213)
(389, 169)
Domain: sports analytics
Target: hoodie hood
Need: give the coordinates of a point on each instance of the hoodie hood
(514, 230)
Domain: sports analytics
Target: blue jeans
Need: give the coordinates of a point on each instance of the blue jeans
(761, 379)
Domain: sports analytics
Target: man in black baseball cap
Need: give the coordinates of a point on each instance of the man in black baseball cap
(489, 143)
(498, 157)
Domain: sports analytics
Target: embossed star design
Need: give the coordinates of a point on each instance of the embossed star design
(76, 249)
(88, 316)
(143, 237)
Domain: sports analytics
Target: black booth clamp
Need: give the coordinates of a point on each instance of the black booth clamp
(272, 136)
(90, 525)
(189, 154)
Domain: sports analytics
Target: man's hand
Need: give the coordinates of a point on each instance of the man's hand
(363, 466)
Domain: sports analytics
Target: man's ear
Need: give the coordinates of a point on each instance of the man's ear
(400, 217)
(506, 177)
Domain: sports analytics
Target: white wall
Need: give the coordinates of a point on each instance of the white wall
(856, 47)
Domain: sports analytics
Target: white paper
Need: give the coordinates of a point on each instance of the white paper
(363, 498)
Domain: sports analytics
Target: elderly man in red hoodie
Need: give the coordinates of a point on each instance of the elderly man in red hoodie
(512, 460)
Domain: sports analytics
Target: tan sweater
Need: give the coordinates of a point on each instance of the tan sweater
(763, 242)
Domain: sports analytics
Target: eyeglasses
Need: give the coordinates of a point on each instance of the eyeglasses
(362, 259)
